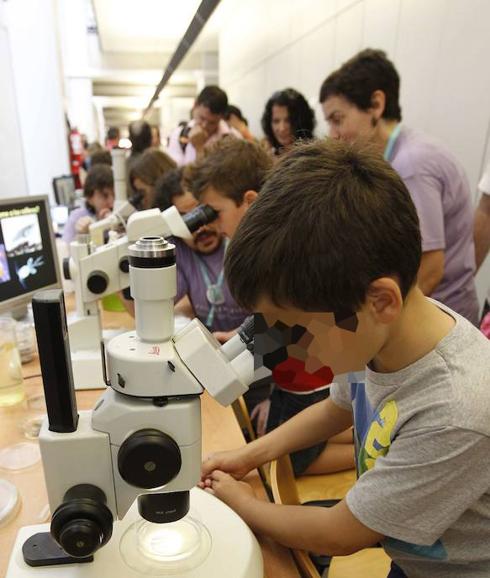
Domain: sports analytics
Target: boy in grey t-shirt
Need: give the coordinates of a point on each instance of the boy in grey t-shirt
(329, 255)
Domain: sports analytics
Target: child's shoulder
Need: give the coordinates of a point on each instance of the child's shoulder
(461, 378)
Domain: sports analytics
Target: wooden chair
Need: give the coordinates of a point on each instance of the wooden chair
(372, 562)
(243, 417)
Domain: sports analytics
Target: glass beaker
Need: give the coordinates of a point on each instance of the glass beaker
(11, 381)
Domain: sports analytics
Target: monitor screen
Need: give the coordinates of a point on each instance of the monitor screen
(65, 190)
(28, 259)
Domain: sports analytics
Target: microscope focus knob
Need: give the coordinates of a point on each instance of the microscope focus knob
(97, 282)
(83, 522)
(149, 459)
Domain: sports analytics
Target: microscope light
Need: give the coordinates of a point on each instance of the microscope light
(163, 549)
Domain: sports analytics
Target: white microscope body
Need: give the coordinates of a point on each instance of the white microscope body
(100, 271)
(142, 440)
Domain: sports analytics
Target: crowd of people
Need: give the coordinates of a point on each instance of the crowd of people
(337, 243)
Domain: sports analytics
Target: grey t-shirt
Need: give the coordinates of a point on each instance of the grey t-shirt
(423, 455)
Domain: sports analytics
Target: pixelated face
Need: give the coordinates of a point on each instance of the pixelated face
(102, 199)
(281, 125)
(207, 238)
(206, 119)
(229, 214)
(341, 341)
(346, 121)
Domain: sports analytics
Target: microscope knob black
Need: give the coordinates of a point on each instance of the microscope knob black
(80, 538)
(97, 282)
(83, 522)
(149, 459)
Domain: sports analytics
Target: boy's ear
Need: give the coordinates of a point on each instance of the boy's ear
(249, 197)
(385, 299)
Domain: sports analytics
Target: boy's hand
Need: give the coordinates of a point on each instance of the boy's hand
(233, 493)
(235, 462)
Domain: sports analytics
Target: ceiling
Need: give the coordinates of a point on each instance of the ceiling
(150, 25)
(135, 40)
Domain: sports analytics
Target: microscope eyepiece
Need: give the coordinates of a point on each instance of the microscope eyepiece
(201, 215)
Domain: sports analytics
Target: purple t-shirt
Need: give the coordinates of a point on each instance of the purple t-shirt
(69, 231)
(191, 282)
(441, 193)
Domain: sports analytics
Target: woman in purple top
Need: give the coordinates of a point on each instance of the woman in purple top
(360, 101)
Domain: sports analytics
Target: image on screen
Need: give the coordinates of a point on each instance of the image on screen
(27, 253)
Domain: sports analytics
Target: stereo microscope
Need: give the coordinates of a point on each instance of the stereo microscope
(98, 271)
(136, 456)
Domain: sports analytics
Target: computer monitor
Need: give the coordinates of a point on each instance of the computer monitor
(28, 259)
(65, 190)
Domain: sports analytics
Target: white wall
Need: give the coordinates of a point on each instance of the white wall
(36, 83)
(12, 171)
(441, 49)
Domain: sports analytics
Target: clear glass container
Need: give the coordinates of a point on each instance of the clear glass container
(11, 382)
(165, 549)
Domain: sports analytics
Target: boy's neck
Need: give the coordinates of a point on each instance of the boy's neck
(417, 332)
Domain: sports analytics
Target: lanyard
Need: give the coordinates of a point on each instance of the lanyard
(214, 291)
(391, 142)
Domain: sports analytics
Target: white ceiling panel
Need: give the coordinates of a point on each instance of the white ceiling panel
(150, 25)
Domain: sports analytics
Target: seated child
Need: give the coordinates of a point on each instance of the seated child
(332, 245)
(98, 191)
(229, 179)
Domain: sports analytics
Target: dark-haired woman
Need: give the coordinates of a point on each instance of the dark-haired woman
(287, 118)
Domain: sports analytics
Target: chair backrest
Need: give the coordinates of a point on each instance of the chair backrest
(243, 417)
(284, 491)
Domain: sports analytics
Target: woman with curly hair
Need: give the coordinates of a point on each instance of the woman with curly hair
(287, 118)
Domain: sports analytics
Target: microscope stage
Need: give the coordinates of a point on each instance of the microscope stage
(234, 551)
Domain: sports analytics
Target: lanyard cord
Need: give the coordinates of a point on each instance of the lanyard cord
(209, 285)
(391, 142)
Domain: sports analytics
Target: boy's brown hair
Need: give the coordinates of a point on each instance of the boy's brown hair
(232, 166)
(330, 219)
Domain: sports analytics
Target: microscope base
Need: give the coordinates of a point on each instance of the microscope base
(235, 551)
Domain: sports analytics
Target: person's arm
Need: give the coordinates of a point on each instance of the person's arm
(431, 271)
(184, 307)
(426, 193)
(316, 423)
(481, 230)
(224, 336)
(333, 531)
(174, 149)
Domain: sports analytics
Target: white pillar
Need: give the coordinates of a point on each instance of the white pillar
(13, 182)
(34, 51)
(73, 18)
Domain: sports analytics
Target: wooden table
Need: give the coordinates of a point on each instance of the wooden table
(220, 432)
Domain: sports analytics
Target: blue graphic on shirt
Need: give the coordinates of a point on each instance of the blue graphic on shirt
(374, 432)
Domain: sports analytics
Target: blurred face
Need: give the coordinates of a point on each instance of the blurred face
(208, 121)
(206, 239)
(345, 121)
(340, 342)
(281, 126)
(102, 200)
(155, 137)
(146, 190)
(229, 214)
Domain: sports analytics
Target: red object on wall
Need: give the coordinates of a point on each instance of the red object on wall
(76, 155)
